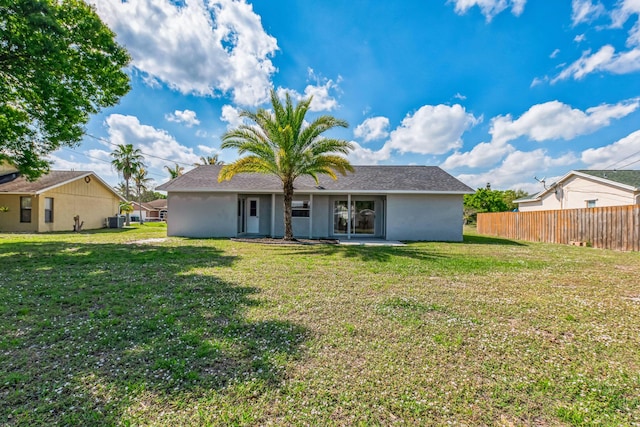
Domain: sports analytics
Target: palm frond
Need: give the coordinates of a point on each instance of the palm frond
(248, 164)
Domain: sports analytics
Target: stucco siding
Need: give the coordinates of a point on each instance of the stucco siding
(202, 214)
(424, 217)
(316, 226)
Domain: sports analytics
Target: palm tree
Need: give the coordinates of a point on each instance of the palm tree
(209, 160)
(283, 144)
(176, 171)
(126, 160)
(126, 207)
(141, 180)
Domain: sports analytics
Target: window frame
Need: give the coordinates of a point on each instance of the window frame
(48, 212)
(300, 208)
(24, 209)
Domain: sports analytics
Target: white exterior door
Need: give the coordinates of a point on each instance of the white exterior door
(253, 216)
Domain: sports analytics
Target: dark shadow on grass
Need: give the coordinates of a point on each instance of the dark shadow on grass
(85, 329)
(367, 253)
(489, 240)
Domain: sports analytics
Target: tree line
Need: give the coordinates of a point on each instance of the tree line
(488, 200)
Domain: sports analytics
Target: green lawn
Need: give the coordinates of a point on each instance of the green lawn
(115, 328)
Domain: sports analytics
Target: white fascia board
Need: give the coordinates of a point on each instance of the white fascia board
(316, 192)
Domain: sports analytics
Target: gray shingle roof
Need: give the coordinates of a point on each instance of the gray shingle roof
(52, 179)
(627, 177)
(411, 179)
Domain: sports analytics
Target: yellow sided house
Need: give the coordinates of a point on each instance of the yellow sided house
(52, 202)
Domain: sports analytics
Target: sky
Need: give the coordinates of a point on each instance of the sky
(506, 92)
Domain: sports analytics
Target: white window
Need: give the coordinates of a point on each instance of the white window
(300, 208)
(48, 209)
(591, 203)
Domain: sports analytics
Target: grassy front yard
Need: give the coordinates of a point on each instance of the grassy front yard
(115, 328)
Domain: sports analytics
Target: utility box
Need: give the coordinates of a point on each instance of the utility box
(116, 221)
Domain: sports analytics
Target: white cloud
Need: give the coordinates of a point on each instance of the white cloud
(195, 47)
(620, 15)
(542, 122)
(556, 120)
(98, 161)
(432, 129)
(580, 38)
(372, 129)
(606, 59)
(517, 165)
(489, 8)
(585, 11)
(208, 150)
(158, 146)
(618, 155)
(322, 98)
(187, 117)
(231, 115)
(482, 155)
(554, 53)
(366, 156)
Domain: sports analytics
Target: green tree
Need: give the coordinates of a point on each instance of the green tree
(281, 143)
(121, 189)
(175, 171)
(126, 207)
(141, 181)
(127, 160)
(488, 200)
(510, 195)
(59, 64)
(209, 160)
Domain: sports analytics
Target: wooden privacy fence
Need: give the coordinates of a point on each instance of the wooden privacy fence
(614, 227)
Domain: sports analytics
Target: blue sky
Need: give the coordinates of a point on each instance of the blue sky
(497, 91)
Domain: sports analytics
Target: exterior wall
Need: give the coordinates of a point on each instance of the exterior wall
(264, 213)
(424, 217)
(574, 193)
(91, 200)
(202, 214)
(10, 221)
(317, 220)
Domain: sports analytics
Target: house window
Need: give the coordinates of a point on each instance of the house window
(300, 208)
(48, 209)
(591, 203)
(25, 209)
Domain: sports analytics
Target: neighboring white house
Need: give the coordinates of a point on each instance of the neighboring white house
(586, 189)
(388, 202)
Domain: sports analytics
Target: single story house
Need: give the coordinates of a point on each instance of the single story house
(51, 202)
(155, 210)
(586, 189)
(385, 202)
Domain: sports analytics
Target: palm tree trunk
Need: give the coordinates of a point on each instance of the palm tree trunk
(127, 219)
(288, 197)
(140, 203)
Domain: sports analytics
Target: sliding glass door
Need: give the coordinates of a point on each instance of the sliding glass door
(363, 217)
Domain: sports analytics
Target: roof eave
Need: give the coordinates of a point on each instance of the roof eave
(318, 191)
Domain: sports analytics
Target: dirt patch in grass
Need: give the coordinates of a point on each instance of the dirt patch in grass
(148, 241)
(273, 241)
